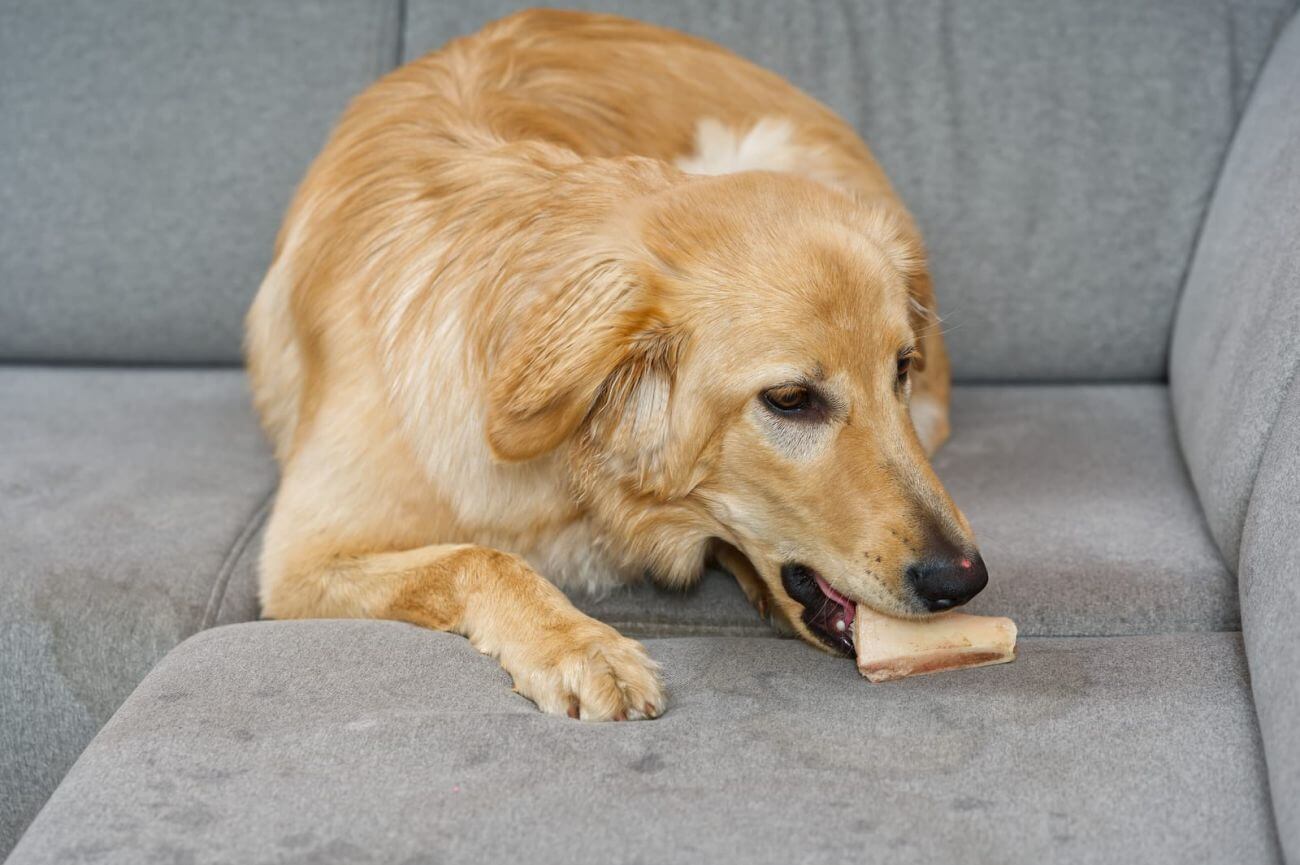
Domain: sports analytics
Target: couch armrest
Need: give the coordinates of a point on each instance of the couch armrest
(1234, 346)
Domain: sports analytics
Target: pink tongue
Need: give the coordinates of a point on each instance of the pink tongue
(847, 607)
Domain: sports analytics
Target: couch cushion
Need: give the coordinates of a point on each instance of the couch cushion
(1235, 346)
(1083, 509)
(1058, 155)
(147, 151)
(714, 606)
(125, 496)
(1270, 601)
(134, 497)
(378, 742)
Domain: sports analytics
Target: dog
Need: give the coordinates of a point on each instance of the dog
(578, 299)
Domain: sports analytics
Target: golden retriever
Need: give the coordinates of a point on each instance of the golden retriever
(577, 299)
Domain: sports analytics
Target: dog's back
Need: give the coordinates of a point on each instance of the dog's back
(590, 85)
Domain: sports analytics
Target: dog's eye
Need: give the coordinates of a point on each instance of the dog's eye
(788, 399)
(905, 358)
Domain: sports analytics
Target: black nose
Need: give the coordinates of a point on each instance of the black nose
(944, 582)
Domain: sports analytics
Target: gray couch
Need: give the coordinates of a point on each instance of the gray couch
(1111, 194)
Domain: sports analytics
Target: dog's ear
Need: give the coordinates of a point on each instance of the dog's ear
(557, 362)
(631, 421)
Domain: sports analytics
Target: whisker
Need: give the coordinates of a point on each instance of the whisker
(822, 609)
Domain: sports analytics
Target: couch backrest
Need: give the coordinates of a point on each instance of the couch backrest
(148, 149)
(1236, 347)
(1058, 154)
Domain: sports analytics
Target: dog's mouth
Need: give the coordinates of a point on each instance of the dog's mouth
(827, 613)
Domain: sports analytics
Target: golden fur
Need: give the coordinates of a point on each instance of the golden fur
(506, 335)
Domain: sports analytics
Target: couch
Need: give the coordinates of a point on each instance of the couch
(1111, 195)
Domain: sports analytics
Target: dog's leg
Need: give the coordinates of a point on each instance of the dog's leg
(561, 659)
(734, 562)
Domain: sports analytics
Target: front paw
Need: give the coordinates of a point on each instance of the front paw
(588, 671)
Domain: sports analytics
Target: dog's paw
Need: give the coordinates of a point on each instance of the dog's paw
(591, 672)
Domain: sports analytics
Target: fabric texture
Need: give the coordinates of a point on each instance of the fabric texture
(1237, 342)
(1270, 599)
(714, 606)
(1058, 155)
(1084, 511)
(147, 152)
(124, 498)
(350, 742)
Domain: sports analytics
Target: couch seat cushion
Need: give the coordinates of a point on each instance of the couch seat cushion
(1084, 511)
(1082, 506)
(333, 742)
(131, 497)
(124, 496)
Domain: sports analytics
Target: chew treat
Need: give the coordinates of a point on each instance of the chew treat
(890, 648)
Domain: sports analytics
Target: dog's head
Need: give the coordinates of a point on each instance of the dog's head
(732, 373)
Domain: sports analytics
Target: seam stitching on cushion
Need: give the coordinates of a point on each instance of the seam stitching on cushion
(399, 54)
(232, 557)
(387, 36)
(1256, 465)
(1197, 496)
(1292, 382)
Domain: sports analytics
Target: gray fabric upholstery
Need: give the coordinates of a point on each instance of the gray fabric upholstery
(1236, 356)
(1270, 601)
(1236, 348)
(1059, 155)
(147, 151)
(347, 742)
(1083, 510)
(1126, 552)
(715, 606)
(124, 500)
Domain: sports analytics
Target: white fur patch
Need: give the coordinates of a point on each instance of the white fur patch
(769, 145)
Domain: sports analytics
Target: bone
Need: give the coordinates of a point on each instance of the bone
(890, 648)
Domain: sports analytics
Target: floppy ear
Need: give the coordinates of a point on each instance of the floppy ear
(552, 368)
(631, 422)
